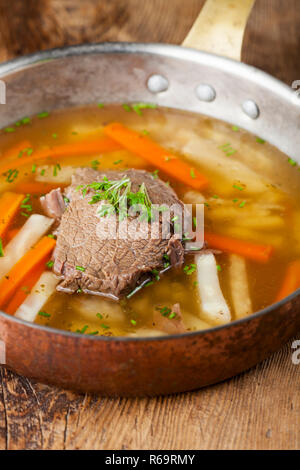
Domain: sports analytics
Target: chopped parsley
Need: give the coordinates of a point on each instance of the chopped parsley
(133, 322)
(240, 188)
(28, 151)
(100, 105)
(25, 204)
(11, 175)
(83, 330)
(98, 315)
(119, 196)
(56, 168)
(137, 107)
(25, 120)
(42, 115)
(166, 259)
(235, 128)
(292, 162)
(1, 248)
(44, 314)
(9, 129)
(166, 312)
(95, 164)
(189, 269)
(155, 274)
(260, 141)
(50, 263)
(227, 149)
(80, 268)
(126, 107)
(192, 173)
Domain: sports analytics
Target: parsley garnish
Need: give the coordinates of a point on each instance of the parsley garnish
(43, 115)
(44, 314)
(11, 175)
(80, 268)
(190, 269)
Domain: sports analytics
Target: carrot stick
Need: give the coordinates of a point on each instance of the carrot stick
(24, 267)
(22, 292)
(37, 187)
(144, 147)
(85, 147)
(291, 281)
(11, 234)
(9, 204)
(14, 151)
(253, 251)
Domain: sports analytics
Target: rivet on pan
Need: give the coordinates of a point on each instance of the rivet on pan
(251, 109)
(205, 92)
(157, 83)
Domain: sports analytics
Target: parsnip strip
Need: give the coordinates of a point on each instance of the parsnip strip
(239, 286)
(33, 229)
(39, 295)
(214, 306)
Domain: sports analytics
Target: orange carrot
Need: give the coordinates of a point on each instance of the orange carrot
(11, 234)
(15, 151)
(9, 204)
(291, 281)
(36, 187)
(85, 147)
(24, 267)
(253, 251)
(144, 147)
(22, 292)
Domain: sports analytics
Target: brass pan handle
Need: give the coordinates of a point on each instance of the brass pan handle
(220, 27)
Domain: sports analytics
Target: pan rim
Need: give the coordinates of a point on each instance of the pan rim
(169, 50)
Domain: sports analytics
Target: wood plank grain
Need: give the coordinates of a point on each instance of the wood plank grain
(259, 409)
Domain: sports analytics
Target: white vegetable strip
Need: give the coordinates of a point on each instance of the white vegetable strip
(239, 286)
(39, 295)
(33, 229)
(193, 197)
(214, 306)
(50, 174)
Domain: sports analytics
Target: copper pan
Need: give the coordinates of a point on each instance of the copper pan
(177, 77)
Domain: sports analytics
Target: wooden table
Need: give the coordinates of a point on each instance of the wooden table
(259, 409)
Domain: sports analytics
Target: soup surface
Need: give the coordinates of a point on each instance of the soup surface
(251, 217)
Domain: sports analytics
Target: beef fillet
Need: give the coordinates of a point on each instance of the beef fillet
(89, 261)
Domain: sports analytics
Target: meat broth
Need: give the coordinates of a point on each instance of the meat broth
(250, 193)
